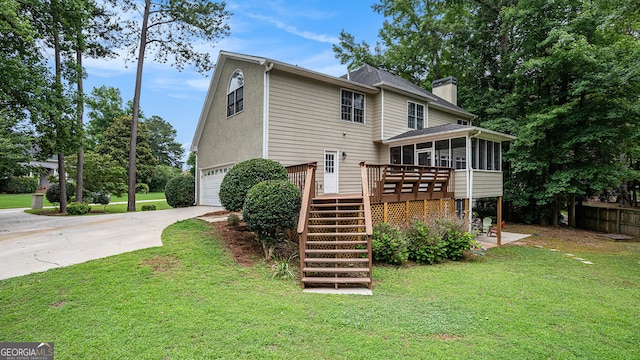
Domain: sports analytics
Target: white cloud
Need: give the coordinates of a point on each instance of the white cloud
(293, 30)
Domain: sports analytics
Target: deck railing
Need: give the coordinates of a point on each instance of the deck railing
(395, 183)
(298, 174)
(306, 184)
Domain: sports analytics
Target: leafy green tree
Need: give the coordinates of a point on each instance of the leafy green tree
(191, 162)
(101, 173)
(163, 142)
(169, 28)
(105, 105)
(116, 144)
(163, 174)
(562, 76)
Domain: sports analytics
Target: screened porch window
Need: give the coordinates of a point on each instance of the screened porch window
(446, 153)
(486, 155)
(402, 155)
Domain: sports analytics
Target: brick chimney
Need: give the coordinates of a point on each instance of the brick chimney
(446, 88)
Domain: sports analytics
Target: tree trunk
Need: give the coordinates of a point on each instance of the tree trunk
(80, 165)
(572, 210)
(131, 204)
(58, 85)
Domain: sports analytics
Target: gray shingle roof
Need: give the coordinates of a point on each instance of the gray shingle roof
(432, 130)
(372, 76)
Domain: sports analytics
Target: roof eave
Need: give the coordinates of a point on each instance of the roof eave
(471, 131)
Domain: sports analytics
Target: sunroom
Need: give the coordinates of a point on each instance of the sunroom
(474, 154)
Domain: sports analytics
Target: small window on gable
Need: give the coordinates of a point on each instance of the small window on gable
(235, 93)
(352, 106)
(463, 122)
(415, 115)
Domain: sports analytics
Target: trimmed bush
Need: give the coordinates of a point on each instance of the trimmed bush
(148, 207)
(181, 191)
(53, 192)
(271, 208)
(388, 245)
(142, 188)
(244, 176)
(75, 208)
(19, 185)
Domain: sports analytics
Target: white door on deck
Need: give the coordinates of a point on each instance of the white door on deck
(330, 172)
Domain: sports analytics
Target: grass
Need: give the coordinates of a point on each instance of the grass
(189, 300)
(109, 209)
(13, 201)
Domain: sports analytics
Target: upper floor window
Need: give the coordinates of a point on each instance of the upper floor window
(463, 122)
(415, 115)
(352, 106)
(235, 93)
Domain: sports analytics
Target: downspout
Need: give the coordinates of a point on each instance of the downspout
(470, 179)
(198, 176)
(265, 114)
(382, 116)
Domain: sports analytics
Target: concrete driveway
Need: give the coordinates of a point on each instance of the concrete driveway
(31, 243)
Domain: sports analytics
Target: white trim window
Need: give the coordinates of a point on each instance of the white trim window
(463, 122)
(415, 115)
(235, 93)
(486, 154)
(351, 106)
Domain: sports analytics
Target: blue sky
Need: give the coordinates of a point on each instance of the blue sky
(296, 32)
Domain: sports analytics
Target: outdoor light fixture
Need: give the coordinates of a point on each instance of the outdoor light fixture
(344, 155)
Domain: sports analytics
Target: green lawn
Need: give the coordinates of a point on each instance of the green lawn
(189, 300)
(12, 201)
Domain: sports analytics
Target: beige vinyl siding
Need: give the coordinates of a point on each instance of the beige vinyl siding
(304, 121)
(395, 114)
(239, 137)
(487, 183)
(438, 117)
(375, 103)
(460, 184)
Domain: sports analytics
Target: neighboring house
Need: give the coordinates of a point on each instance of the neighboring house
(44, 169)
(263, 108)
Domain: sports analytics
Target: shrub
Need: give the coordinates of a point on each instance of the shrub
(181, 191)
(233, 220)
(100, 198)
(142, 188)
(53, 192)
(19, 185)
(148, 207)
(271, 207)
(455, 239)
(163, 174)
(424, 243)
(244, 176)
(76, 208)
(388, 245)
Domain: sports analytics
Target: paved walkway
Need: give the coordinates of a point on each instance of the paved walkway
(32, 243)
(507, 237)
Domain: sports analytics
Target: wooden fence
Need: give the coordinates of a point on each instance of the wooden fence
(609, 220)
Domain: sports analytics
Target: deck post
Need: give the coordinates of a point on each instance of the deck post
(499, 225)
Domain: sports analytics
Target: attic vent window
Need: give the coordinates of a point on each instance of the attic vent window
(352, 107)
(235, 93)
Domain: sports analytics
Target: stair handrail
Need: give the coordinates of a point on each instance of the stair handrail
(366, 200)
(309, 192)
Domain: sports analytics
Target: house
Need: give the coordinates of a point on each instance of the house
(412, 144)
(258, 107)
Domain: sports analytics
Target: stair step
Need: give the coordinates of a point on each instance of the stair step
(335, 270)
(334, 280)
(336, 226)
(336, 260)
(334, 205)
(336, 251)
(336, 211)
(326, 218)
(337, 234)
(337, 242)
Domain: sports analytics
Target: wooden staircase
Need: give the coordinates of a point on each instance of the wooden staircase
(335, 237)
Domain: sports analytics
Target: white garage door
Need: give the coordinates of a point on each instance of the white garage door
(211, 180)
